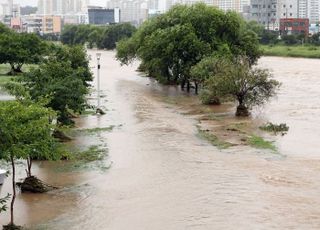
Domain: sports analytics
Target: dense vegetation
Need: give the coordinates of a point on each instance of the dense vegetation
(18, 49)
(178, 48)
(103, 37)
(25, 134)
(52, 89)
(270, 37)
(60, 77)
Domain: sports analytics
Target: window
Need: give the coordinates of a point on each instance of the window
(290, 14)
(290, 6)
(264, 6)
(274, 14)
(269, 14)
(269, 6)
(284, 6)
(284, 14)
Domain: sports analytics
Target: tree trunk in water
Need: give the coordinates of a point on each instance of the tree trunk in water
(182, 84)
(196, 88)
(188, 86)
(29, 164)
(13, 189)
(242, 111)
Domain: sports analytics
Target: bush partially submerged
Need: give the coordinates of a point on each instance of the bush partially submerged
(270, 127)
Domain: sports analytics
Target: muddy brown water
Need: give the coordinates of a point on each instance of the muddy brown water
(164, 177)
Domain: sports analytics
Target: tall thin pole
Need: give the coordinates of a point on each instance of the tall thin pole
(98, 76)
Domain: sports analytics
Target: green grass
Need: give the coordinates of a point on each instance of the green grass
(214, 140)
(94, 153)
(260, 143)
(97, 130)
(305, 51)
(5, 79)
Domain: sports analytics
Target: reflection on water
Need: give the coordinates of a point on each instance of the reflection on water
(164, 177)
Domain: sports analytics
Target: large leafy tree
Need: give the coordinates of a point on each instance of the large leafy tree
(25, 132)
(61, 84)
(237, 79)
(115, 33)
(78, 58)
(170, 44)
(19, 49)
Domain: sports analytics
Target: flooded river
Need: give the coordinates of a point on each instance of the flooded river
(163, 176)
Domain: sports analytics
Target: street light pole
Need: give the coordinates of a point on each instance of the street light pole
(99, 110)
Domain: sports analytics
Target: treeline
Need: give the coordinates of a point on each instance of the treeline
(102, 37)
(270, 37)
(202, 47)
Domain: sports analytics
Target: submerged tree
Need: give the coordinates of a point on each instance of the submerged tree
(25, 131)
(170, 44)
(238, 80)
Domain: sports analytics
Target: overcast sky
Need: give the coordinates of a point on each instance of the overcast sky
(34, 2)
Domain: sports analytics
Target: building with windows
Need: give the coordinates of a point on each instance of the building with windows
(290, 26)
(269, 12)
(42, 24)
(102, 16)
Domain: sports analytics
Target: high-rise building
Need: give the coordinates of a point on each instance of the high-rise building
(313, 11)
(269, 12)
(60, 7)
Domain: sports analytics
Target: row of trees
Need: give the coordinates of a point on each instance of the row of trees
(52, 90)
(202, 46)
(270, 37)
(102, 37)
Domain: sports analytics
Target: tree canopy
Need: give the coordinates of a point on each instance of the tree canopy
(18, 49)
(61, 81)
(170, 44)
(103, 37)
(25, 132)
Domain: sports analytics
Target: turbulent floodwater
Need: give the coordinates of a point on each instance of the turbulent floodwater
(164, 177)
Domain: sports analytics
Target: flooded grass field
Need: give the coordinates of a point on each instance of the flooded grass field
(172, 163)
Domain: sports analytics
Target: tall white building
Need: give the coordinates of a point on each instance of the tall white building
(313, 11)
(60, 7)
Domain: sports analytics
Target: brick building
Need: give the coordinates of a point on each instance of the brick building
(294, 26)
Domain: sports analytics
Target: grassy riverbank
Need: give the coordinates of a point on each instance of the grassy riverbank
(4, 78)
(304, 51)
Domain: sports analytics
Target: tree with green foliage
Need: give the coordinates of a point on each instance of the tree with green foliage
(61, 84)
(170, 44)
(206, 68)
(103, 37)
(25, 131)
(4, 29)
(62, 79)
(78, 58)
(236, 79)
(19, 49)
(115, 33)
